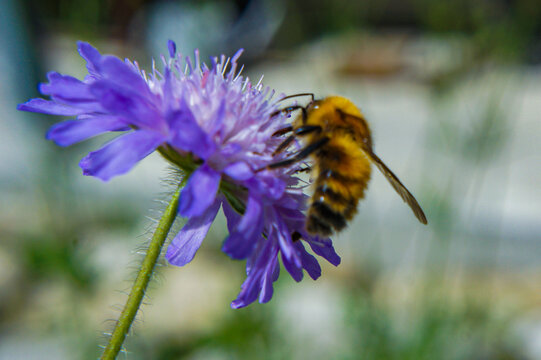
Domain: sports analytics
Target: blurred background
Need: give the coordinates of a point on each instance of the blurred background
(452, 89)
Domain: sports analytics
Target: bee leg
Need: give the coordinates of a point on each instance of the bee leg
(305, 169)
(283, 131)
(283, 145)
(289, 109)
(302, 154)
(303, 130)
(306, 129)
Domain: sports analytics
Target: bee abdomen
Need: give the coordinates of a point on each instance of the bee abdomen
(316, 225)
(330, 209)
(326, 215)
(337, 202)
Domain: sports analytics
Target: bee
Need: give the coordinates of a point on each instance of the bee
(338, 139)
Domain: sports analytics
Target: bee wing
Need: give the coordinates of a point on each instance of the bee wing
(398, 186)
(366, 144)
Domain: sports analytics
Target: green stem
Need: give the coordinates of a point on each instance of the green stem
(141, 282)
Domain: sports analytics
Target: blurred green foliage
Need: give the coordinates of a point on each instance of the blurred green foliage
(508, 29)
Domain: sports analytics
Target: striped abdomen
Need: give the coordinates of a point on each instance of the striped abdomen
(341, 181)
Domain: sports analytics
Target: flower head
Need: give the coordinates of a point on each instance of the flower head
(217, 128)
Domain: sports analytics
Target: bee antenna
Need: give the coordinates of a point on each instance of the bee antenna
(297, 95)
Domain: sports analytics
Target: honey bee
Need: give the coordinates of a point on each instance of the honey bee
(337, 138)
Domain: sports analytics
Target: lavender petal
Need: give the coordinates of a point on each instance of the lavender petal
(121, 154)
(126, 103)
(309, 263)
(188, 240)
(172, 47)
(293, 269)
(70, 132)
(243, 238)
(124, 76)
(251, 224)
(92, 57)
(269, 277)
(253, 284)
(239, 171)
(49, 107)
(323, 248)
(66, 87)
(231, 216)
(188, 135)
(200, 191)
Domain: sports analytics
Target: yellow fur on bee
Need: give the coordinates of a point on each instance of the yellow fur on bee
(338, 136)
(342, 155)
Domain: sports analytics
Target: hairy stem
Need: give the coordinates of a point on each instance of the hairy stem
(141, 282)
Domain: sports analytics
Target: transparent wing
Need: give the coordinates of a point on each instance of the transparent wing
(366, 144)
(398, 186)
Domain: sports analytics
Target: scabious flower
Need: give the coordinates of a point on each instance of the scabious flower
(217, 128)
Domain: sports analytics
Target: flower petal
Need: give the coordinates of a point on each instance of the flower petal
(270, 276)
(215, 123)
(121, 154)
(255, 281)
(243, 238)
(239, 171)
(49, 107)
(172, 47)
(269, 185)
(170, 102)
(283, 234)
(309, 263)
(323, 248)
(188, 240)
(293, 269)
(72, 131)
(120, 73)
(231, 216)
(237, 246)
(66, 87)
(200, 191)
(92, 57)
(126, 103)
(187, 134)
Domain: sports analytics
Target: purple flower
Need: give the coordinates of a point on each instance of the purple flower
(217, 128)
